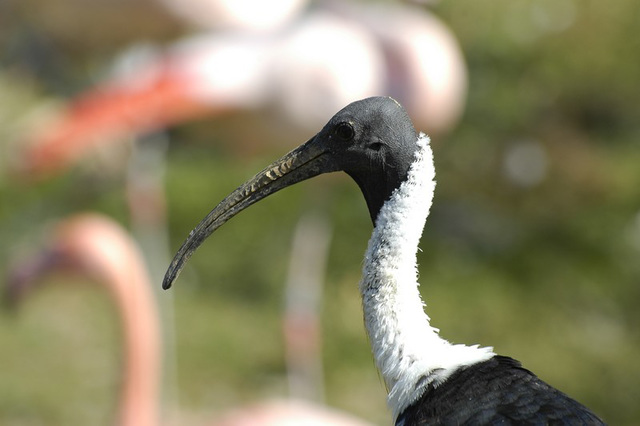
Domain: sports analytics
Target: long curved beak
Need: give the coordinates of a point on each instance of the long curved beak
(308, 160)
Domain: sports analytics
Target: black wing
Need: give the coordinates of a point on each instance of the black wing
(498, 391)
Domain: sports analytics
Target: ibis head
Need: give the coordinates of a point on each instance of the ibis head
(372, 140)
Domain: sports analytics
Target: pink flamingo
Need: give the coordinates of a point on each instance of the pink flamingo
(326, 58)
(95, 245)
(244, 15)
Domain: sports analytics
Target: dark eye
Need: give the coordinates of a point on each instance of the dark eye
(376, 146)
(344, 131)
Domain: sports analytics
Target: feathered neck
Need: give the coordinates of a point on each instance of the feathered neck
(408, 351)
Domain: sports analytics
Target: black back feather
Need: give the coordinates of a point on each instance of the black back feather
(498, 391)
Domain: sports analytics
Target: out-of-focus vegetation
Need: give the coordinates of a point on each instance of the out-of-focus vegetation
(533, 244)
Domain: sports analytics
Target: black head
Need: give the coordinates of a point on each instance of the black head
(372, 140)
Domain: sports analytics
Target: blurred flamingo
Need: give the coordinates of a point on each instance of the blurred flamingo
(98, 247)
(236, 15)
(306, 70)
(94, 245)
(287, 413)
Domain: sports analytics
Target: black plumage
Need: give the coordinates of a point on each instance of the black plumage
(498, 391)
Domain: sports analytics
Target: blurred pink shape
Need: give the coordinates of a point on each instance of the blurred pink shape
(307, 71)
(97, 246)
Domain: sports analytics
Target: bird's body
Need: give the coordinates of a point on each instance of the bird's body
(496, 391)
(324, 57)
(430, 380)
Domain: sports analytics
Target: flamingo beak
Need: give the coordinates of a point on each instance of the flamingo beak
(27, 275)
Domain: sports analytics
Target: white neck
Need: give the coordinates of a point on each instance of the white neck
(408, 351)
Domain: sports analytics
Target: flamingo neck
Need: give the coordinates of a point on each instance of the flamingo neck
(408, 351)
(141, 332)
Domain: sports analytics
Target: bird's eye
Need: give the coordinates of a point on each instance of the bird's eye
(344, 131)
(376, 146)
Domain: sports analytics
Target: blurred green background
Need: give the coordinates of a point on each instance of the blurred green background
(545, 268)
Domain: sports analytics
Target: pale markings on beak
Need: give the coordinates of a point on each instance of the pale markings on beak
(280, 170)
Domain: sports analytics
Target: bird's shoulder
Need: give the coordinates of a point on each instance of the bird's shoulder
(496, 391)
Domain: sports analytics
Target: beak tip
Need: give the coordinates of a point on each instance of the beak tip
(169, 278)
(174, 269)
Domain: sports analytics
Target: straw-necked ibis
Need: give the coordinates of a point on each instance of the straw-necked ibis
(430, 381)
